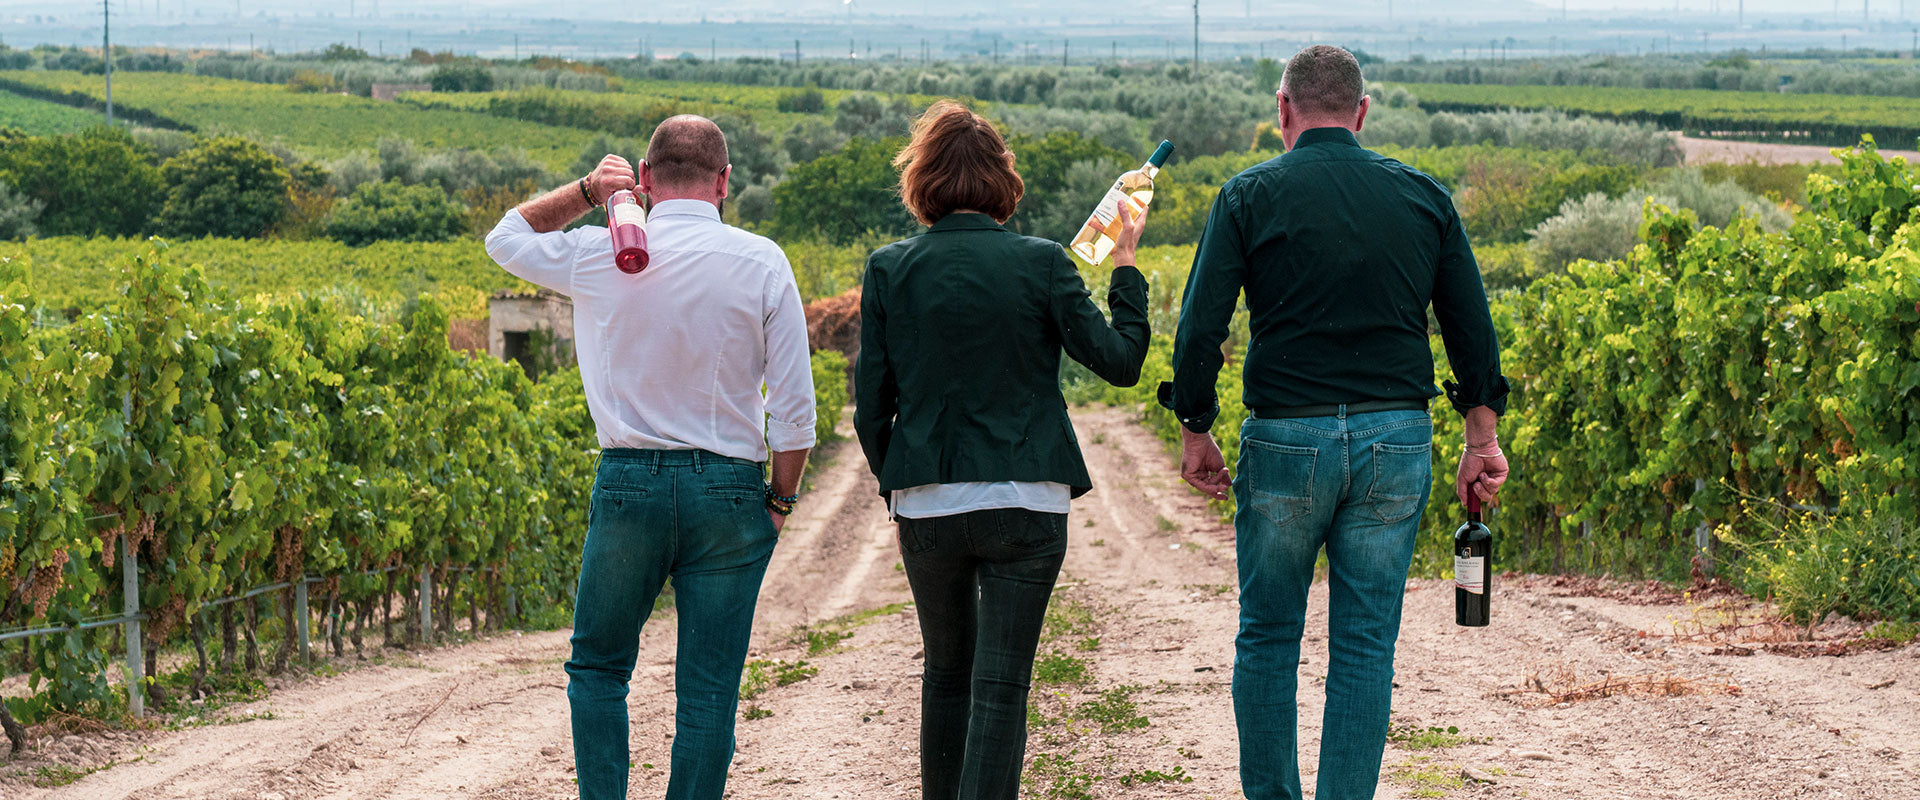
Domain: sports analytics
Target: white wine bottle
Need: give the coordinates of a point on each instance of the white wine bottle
(1096, 238)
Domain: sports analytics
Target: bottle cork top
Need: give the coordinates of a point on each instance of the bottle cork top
(1160, 154)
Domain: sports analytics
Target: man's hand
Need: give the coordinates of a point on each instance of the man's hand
(1481, 475)
(779, 520)
(1203, 466)
(1482, 466)
(1130, 229)
(613, 174)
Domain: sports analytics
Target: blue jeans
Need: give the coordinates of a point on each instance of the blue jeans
(981, 582)
(1357, 485)
(700, 518)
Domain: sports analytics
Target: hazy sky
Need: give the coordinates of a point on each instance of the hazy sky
(734, 8)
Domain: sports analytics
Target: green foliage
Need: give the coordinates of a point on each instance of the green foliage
(1065, 173)
(391, 211)
(1599, 227)
(1861, 565)
(864, 116)
(43, 117)
(1433, 737)
(1832, 119)
(378, 276)
(1144, 777)
(803, 101)
(96, 182)
(17, 213)
(322, 125)
(226, 186)
(461, 76)
(1114, 711)
(234, 443)
(830, 393)
(843, 195)
(1053, 668)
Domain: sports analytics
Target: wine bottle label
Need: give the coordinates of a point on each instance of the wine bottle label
(1109, 207)
(1470, 573)
(629, 214)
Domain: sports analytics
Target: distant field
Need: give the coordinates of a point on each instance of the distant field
(639, 104)
(1803, 118)
(318, 124)
(67, 271)
(42, 117)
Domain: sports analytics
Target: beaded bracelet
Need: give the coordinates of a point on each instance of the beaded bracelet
(585, 195)
(781, 505)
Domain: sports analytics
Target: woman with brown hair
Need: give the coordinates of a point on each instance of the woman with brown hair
(959, 410)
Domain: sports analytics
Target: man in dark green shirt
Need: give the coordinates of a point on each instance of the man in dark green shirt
(1340, 251)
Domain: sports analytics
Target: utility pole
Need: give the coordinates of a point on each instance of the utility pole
(106, 49)
(1196, 38)
(1066, 45)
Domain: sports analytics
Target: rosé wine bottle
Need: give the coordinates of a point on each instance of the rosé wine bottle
(627, 223)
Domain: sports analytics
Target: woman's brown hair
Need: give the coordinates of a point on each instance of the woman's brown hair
(957, 161)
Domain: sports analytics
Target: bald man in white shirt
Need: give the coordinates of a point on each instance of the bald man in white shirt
(673, 359)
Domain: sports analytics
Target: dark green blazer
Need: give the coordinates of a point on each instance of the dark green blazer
(961, 330)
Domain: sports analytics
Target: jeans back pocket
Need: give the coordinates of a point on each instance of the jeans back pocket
(1019, 527)
(1278, 479)
(1402, 474)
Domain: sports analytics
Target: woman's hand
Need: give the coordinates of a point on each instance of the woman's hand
(1130, 228)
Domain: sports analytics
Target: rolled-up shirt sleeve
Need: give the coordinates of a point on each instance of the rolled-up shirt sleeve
(789, 368)
(1466, 327)
(546, 259)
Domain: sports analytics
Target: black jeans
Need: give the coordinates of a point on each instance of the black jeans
(981, 582)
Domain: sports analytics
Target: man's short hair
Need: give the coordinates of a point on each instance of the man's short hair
(1323, 79)
(686, 150)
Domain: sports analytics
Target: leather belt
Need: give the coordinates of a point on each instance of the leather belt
(1337, 409)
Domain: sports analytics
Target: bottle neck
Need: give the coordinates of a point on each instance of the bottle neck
(1473, 516)
(1149, 170)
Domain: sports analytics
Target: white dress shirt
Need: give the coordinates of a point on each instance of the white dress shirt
(674, 358)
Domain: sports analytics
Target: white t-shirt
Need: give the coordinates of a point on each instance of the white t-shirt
(948, 499)
(674, 358)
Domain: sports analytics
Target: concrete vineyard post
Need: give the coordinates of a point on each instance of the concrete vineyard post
(136, 663)
(300, 614)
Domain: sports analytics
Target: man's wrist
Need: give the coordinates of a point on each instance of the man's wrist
(586, 192)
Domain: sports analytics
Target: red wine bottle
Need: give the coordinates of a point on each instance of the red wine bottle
(1472, 569)
(627, 223)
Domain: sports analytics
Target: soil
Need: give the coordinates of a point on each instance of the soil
(1701, 151)
(1580, 689)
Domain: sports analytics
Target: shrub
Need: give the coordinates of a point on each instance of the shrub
(464, 76)
(1811, 565)
(830, 393)
(392, 211)
(96, 182)
(811, 139)
(1594, 227)
(227, 187)
(802, 101)
(843, 195)
(865, 116)
(310, 82)
(17, 213)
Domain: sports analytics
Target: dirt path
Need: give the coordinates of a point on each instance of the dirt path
(1703, 151)
(1139, 656)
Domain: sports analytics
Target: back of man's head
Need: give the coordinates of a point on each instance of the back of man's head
(1323, 80)
(686, 151)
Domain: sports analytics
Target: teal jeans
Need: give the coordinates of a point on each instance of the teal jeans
(701, 519)
(1355, 485)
